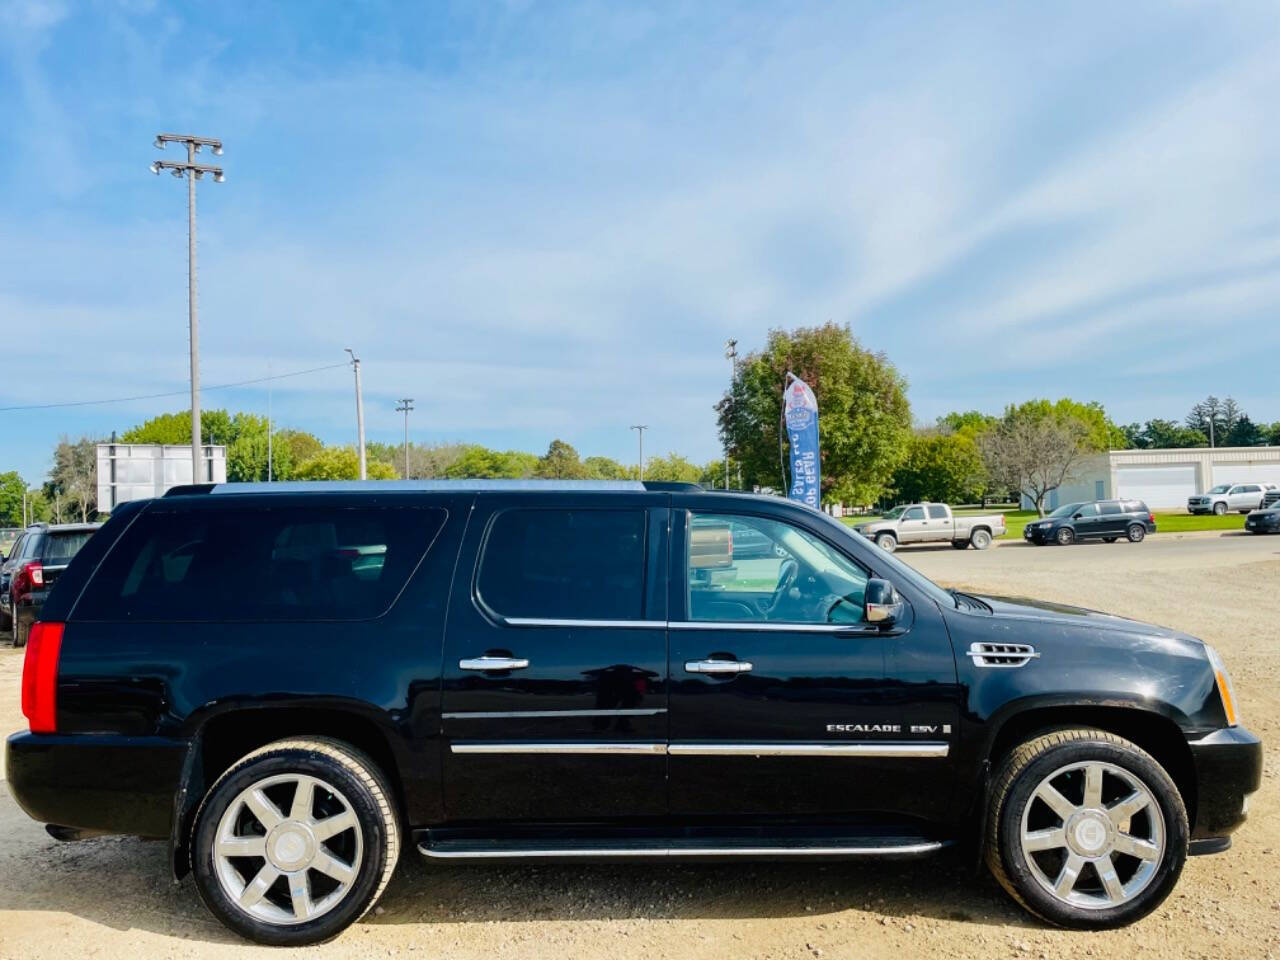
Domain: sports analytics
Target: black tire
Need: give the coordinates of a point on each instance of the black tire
(1065, 537)
(1136, 533)
(981, 539)
(20, 632)
(357, 779)
(1023, 771)
(1219, 509)
(960, 544)
(887, 542)
(1110, 539)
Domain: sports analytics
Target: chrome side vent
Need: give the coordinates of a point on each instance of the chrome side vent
(1002, 654)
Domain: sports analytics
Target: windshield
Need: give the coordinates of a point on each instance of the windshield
(1221, 488)
(1067, 510)
(894, 567)
(895, 513)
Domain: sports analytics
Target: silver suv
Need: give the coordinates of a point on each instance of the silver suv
(1241, 497)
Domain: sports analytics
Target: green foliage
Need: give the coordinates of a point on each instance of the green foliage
(478, 462)
(73, 481)
(944, 467)
(342, 463)
(216, 426)
(864, 417)
(970, 422)
(560, 463)
(1245, 433)
(672, 468)
(1163, 434)
(302, 446)
(606, 468)
(11, 490)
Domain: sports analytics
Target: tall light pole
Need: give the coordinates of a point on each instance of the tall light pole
(640, 428)
(730, 354)
(406, 405)
(355, 365)
(192, 171)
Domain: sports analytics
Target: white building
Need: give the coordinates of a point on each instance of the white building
(138, 471)
(1165, 478)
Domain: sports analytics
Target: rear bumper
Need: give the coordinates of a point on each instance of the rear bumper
(1228, 768)
(109, 784)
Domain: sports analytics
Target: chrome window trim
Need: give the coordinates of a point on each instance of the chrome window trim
(518, 714)
(922, 749)
(815, 749)
(675, 852)
(558, 622)
(762, 626)
(644, 748)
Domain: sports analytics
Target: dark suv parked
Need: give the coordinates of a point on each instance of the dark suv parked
(38, 559)
(1107, 520)
(290, 682)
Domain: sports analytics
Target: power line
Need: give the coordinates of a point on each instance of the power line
(171, 393)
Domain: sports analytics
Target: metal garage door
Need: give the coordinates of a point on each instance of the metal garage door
(1246, 473)
(1158, 486)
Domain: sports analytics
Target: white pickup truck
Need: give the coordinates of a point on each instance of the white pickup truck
(932, 523)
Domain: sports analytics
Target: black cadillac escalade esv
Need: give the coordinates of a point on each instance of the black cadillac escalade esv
(290, 682)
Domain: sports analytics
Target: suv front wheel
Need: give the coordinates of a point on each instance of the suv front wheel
(295, 842)
(1086, 829)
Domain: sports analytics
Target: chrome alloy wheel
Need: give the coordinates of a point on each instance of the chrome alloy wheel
(288, 849)
(1093, 835)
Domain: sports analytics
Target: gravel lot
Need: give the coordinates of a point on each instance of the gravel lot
(111, 897)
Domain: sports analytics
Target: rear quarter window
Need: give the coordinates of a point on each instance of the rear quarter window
(60, 547)
(260, 564)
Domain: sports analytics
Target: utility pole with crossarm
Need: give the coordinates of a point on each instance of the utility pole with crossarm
(192, 171)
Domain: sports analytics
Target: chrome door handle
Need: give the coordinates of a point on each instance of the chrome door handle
(493, 663)
(717, 666)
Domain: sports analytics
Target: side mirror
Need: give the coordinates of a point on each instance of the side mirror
(1076, 516)
(881, 603)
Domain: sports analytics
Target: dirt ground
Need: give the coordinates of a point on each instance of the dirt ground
(111, 897)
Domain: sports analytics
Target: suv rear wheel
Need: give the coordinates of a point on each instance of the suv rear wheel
(1136, 533)
(295, 842)
(1086, 829)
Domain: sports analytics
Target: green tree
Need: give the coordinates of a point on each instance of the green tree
(560, 462)
(73, 481)
(477, 462)
(971, 422)
(1038, 446)
(944, 467)
(341, 463)
(1164, 434)
(12, 487)
(864, 417)
(248, 450)
(216, 426)
(1215, 418)
(672, 468)
(1245, 433)
(302, 446)
(606, 468)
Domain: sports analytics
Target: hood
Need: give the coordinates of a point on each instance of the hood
(1042, 611)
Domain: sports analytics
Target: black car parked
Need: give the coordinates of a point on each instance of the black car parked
(1107, 520)
(36, 562)
(1266, 519)
(291, 681)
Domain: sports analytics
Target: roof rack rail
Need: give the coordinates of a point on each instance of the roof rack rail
(472, 486)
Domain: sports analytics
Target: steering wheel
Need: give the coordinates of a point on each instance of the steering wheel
(787, 573)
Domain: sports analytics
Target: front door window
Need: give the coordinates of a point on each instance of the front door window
(744, 568)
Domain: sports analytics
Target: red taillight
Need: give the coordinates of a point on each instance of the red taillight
(40, 677)
(29, 575)
(1151, 517)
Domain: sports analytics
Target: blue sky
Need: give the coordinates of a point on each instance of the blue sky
(543, 220)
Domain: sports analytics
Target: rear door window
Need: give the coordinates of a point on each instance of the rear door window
(261, 564)
(567, 564)
(1110, 508)
(937, 511)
